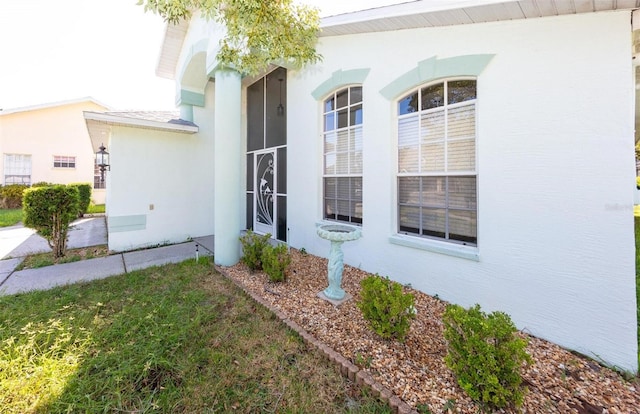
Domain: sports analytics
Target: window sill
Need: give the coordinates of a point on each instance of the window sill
(449, 249)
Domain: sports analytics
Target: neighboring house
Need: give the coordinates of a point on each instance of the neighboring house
(50, 142)
(487, 152)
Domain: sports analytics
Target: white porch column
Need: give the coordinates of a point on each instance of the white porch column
(227, 183)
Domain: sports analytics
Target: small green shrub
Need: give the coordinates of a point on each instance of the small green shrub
(252, 247)
(386, 307)
(485, 355)
(11, 195)
(275, 261)
(84, 191)
(49, 210)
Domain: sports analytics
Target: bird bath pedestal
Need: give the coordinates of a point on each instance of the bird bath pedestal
(336, 234)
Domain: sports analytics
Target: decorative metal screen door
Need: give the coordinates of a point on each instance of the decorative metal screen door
(264, 207)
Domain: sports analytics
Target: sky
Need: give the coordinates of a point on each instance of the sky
(58, 50)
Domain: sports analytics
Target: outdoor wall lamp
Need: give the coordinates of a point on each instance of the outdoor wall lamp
(102, 161)
(280, 106)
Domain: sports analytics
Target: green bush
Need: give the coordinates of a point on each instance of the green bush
(252, 247)
(11, 195)
(42, 184)
(275, 261)
(486, 355)
(386, 307)
(49, 210)
(84, 191)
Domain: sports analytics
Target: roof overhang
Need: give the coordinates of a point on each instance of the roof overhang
(174, 35)
(419, 14)
(415, 14)
(48, 105)
(174, 125)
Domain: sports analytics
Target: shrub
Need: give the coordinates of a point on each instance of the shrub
(11, 195)
(84, 191)
(252, 247)
(41, 184)
(49, 210)
(485, 355)
(275, 261)
(386, 307)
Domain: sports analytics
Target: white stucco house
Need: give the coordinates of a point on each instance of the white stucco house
(485, 148)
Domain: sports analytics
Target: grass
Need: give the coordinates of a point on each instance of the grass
(173, 339)
(10, 217)
(96, 208)
(35, 261)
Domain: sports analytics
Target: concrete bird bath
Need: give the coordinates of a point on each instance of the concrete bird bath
(336, 234)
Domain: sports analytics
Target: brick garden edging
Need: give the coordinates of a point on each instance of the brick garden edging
(347, 369)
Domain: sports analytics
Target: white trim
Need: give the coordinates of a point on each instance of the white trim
(436, 246)
(52, 105)
(139, 123)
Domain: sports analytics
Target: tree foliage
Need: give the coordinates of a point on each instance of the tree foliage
(50, 210)
(258, 32)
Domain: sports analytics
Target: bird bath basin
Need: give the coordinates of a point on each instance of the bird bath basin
(336, 234)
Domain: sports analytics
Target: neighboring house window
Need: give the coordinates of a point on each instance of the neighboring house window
(437, 194)
(98, 181)
(342, 138)
(63, 161)
(17, 169)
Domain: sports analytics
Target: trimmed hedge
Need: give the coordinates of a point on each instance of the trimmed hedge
(49, 210)
(84, 191)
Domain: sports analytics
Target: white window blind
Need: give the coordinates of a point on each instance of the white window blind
(343, 155)
(437, 194)
(17, 169)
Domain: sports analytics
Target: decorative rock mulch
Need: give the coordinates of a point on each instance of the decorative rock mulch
(414, 371)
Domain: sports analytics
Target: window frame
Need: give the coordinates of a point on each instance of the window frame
(14, 171)
(99, 179)
(417, 239)
(64, 161)
(353, 132)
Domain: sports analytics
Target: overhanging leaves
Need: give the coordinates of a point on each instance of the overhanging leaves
(259, 32)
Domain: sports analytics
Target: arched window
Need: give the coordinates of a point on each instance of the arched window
(437, 194)
(342, 136)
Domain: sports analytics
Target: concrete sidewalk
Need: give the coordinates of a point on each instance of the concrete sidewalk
(89, 233)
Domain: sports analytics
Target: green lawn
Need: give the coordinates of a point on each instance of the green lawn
(173, 339)
(9, 217)
(96, 208)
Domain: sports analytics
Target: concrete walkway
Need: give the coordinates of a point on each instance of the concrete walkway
(85, 233)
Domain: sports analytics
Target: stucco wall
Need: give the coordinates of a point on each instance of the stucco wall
(555, 173)
(160, 185)
(44, 133)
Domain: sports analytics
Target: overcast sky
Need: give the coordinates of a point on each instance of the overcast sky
(56, 50)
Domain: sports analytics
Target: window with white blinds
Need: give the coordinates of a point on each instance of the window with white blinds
(342, 117)
(437, 193)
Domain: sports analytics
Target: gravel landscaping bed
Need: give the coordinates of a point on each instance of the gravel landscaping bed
(558, 381)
